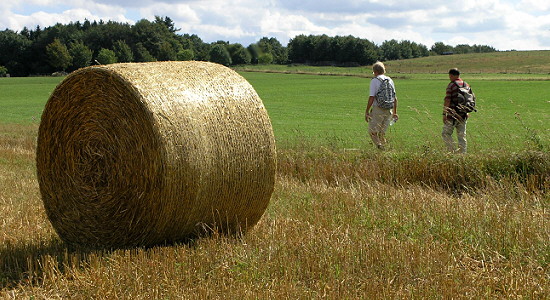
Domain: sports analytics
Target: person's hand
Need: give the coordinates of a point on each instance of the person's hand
(395, 117)
(367, 117)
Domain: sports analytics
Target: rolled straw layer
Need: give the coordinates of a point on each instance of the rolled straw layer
(142, 154)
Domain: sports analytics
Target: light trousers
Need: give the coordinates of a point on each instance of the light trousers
(447, 135)
(378, 124)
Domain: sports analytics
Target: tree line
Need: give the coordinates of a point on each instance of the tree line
(79, 44)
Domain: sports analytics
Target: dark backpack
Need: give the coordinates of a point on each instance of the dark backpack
(385, 96)
(465, 101)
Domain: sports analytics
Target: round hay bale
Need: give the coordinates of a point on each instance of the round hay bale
(149, 153)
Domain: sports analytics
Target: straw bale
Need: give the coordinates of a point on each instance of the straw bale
(142, 154)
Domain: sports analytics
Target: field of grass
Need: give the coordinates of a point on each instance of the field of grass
(329, 110)
(345, 221)
(22, 99)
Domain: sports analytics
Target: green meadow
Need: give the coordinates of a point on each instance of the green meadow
(22, 99)
(329, 110)
(513, 114)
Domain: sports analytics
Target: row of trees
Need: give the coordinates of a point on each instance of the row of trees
(76, 45)
(442, 49)
(350, 50)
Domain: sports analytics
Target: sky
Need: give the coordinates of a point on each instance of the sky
(502, 24)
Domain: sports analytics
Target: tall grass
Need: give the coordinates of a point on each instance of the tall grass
(437, 170)
(341, 224)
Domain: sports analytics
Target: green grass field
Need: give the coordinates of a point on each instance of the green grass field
(22, 99)
(329, 110)
(409, 223)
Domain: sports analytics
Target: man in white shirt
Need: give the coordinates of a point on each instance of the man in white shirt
(382, 105)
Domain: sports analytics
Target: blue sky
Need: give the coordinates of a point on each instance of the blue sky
(503, 24)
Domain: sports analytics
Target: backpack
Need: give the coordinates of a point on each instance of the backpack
(385, 96)
(465, 100)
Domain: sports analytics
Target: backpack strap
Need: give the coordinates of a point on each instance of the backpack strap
(454, 100)
(464, 85)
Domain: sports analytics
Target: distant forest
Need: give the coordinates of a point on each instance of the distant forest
(64, 48)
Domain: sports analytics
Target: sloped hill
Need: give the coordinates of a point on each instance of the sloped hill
(524, 62)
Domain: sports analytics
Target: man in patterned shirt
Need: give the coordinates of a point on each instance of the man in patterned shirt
(451, 117)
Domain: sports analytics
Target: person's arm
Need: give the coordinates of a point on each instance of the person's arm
(369, 106)
(395, 116)
(447, 103)
(446, 109)
(372, 92)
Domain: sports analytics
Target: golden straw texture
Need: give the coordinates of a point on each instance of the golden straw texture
(142, 154)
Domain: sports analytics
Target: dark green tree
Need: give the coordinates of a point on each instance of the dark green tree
(483, 49)
(440, 48)
(168, 23)
(142, 54)
(406, 49)
(300, 49)
(265, 59)
(58, 55)
(275, 48)
(106, 57)
(193, 42)
(14, 52)
(462, 49)
(255, 52)
(239, 54)
(390, 50)
(322, 49)
(147, 34)
(186, 54)
(106, 35)
(155, 35)
(3, 71)
(219, 54)
(82, 55)
(167, 52)
(348, 50)
(419, 50)
(123, 52)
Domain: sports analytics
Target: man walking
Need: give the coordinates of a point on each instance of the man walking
(454, 118)
(379, 113)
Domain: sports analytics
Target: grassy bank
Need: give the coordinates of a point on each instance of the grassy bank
(528, 64)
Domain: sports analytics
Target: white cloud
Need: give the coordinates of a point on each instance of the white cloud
(503, 24)
(65, 12)
(210, 20)
(290, 24)
(183, 13)
(535, 5)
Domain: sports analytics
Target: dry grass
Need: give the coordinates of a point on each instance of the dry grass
(326, 234)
